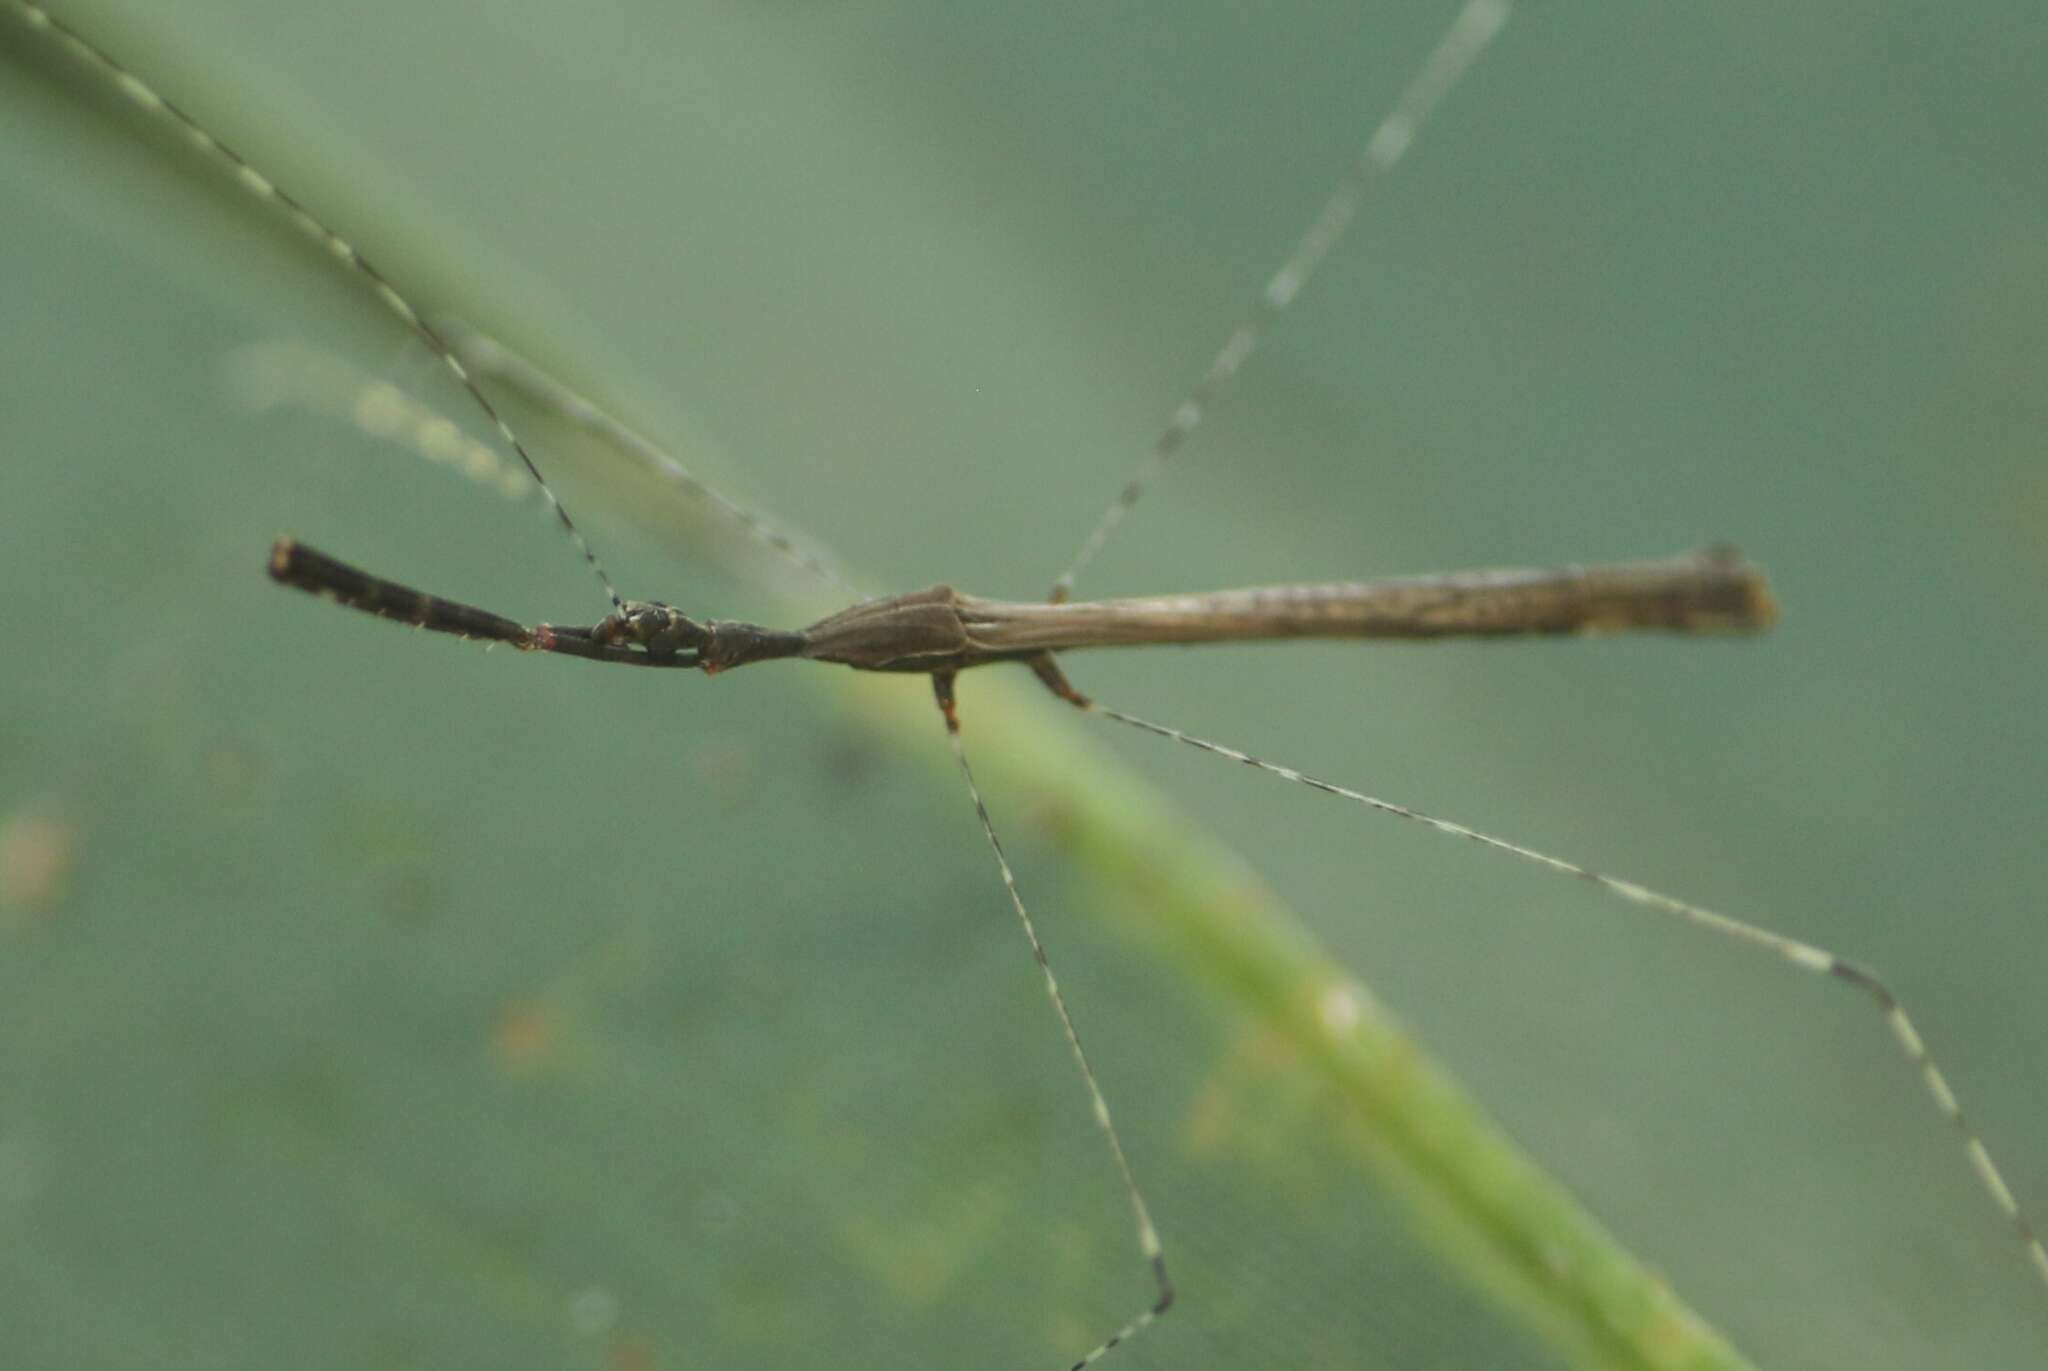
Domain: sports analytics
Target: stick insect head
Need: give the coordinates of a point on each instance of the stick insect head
(665, 632)
(670, 637)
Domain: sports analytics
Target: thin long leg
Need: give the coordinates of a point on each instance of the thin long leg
(266, 375)
(1455, 53)
(1148, 1235)
(1805, 956)
(488, 357)
(261, 187)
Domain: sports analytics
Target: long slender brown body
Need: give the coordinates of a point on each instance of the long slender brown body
(941, 631)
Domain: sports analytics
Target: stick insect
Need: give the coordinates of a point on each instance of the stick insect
(1689, 667)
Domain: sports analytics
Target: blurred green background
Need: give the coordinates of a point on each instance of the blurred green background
(384, 1003)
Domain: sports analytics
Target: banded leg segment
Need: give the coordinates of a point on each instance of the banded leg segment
(260, 187)
(1807, 957)
(1148, 1234)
